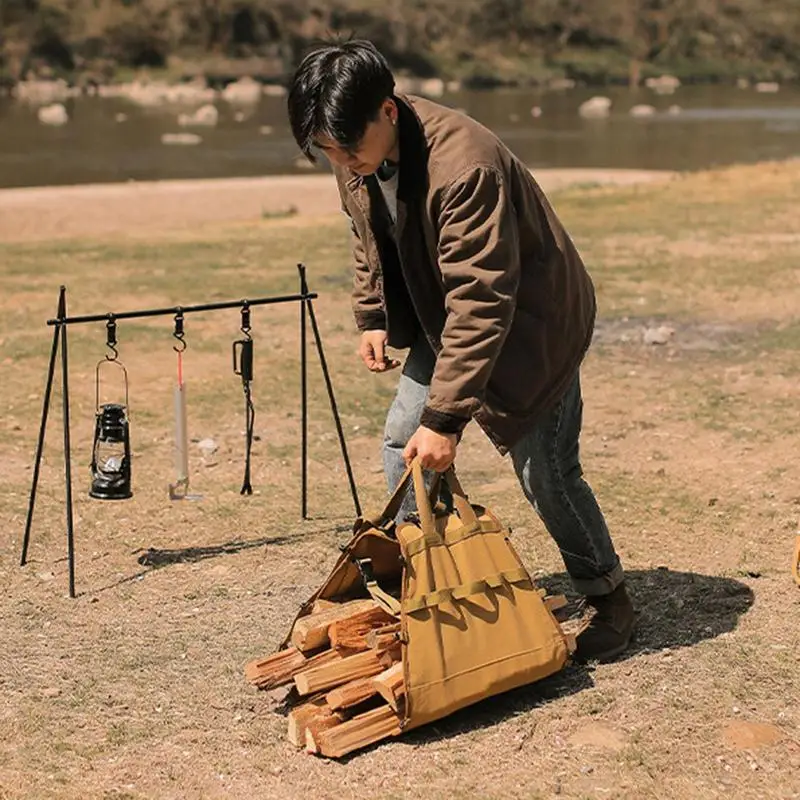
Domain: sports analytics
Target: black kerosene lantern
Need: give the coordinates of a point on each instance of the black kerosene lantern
(111, 450)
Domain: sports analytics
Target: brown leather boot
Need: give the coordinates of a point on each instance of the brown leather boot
(608, 627)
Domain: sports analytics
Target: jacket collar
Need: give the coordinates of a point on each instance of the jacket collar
(412, 174)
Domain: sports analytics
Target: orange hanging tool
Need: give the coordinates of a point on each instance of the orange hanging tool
(180, 489)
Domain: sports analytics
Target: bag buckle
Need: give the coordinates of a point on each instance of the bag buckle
(364, 566)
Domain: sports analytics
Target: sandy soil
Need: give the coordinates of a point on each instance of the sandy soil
(134, 208)
(135, 689)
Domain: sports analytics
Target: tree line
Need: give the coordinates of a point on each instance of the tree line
(476, 41)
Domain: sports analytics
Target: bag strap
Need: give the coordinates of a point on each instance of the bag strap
(381, 597)
(392, 505)
(424, 505)
(460, 500)
(413, 474)
(465, 590)
(425, 500)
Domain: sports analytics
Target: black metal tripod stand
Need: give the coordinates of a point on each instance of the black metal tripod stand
(60, 324)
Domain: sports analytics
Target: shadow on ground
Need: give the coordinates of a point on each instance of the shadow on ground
(157, 558)
(154, 558)
(674, 609)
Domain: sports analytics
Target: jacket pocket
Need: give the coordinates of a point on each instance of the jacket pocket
(524, 366)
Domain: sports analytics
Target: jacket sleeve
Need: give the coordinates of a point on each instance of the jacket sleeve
(367, 298)
(367, 295)
(479, 261)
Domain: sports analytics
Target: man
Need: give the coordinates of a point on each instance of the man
(460, 258)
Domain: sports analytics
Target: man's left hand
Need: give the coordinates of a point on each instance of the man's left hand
(435, 451)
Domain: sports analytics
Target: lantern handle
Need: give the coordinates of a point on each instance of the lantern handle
(100, 363)
(178, 333)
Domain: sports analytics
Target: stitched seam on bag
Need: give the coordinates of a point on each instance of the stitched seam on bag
(485, 664)
(419, 545)
(520, 574)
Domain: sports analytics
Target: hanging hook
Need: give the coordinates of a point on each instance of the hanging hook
(178, 333)
(245, 327)
(243, 348)
(111, 338)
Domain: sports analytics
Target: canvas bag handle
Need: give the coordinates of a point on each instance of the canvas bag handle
(425, 499)
(460, 500)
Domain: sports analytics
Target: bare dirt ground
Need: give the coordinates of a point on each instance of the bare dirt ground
(135, 688)
(133, 208)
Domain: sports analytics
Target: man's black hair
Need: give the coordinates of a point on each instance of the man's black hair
(337, 91)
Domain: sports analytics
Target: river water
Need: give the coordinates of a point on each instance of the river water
(115, 140)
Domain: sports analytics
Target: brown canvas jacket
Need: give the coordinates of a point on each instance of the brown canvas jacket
(488, 271)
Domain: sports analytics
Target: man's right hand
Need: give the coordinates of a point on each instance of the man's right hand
(373, 352)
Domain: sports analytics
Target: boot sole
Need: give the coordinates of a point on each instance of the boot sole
(607, 655)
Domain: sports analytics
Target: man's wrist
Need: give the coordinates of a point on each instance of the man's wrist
(370, 321)
(442, 422)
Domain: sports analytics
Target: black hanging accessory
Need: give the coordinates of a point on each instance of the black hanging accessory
(111, 447)
(111, 338)
(243, 366)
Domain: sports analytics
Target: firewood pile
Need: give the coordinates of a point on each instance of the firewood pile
(345, 670)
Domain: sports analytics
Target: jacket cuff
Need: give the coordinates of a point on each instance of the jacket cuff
(442, 422)
(371, 320)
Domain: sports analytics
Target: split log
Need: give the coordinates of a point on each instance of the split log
(350, 633)
(311, 631)
(316, 726)
(355, 733)
(381, 638)
(281, 668)
(301, 716)
(391, 655)
(319, 660)
(335, 673)
(275, 670)
(390, 684)
(352, 693)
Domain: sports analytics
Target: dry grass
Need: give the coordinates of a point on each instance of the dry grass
(135, 689)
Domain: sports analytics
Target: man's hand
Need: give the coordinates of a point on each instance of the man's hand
(435, 451)
(373, 352)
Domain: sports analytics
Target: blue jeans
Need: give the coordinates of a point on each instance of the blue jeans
(548, 467)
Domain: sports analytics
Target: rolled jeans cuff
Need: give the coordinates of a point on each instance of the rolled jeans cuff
(603, 584)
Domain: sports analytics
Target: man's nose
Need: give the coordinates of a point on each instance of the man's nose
(343, 158)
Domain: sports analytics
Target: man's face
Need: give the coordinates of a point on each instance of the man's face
(378, 143)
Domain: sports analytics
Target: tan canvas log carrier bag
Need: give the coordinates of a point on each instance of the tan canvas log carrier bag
(472, 622)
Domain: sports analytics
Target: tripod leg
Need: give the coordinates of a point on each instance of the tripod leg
(334, 409)
(67, 458)
(40, 444)
(304, 392)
